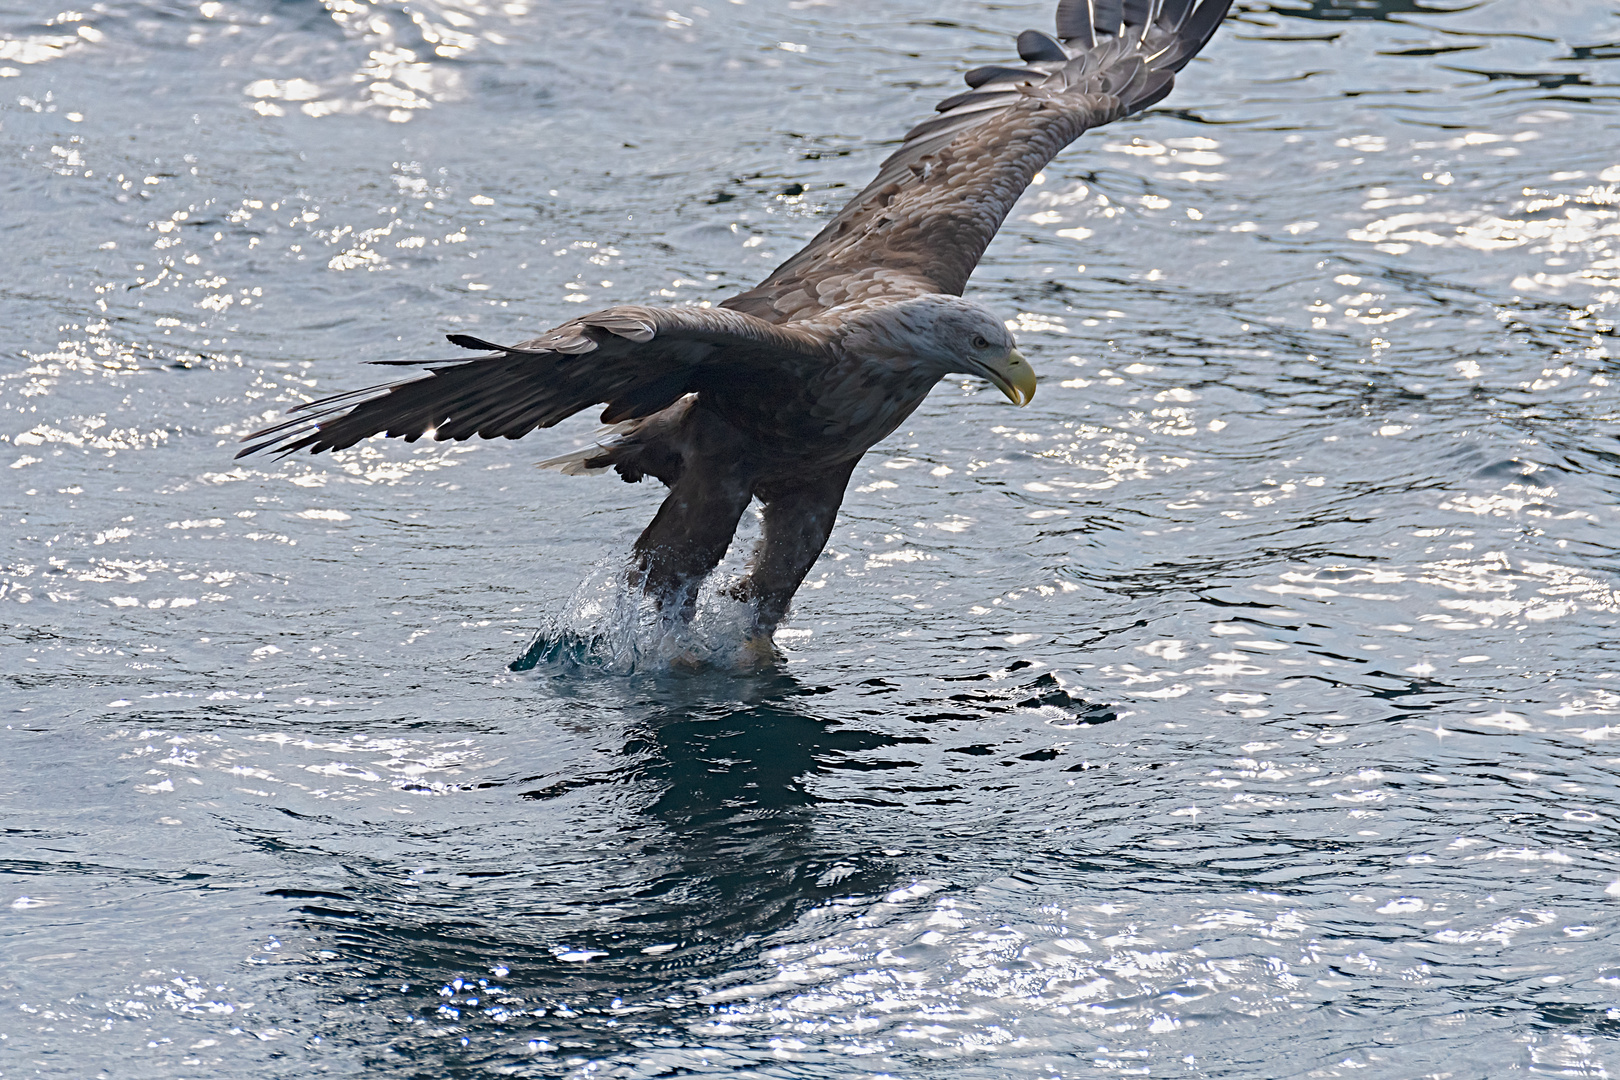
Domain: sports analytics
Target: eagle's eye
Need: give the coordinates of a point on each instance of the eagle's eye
(979, 342)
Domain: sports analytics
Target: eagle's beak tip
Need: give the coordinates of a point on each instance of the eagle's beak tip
(1020, 379)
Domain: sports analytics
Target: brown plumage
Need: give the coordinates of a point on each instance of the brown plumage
(777, 393)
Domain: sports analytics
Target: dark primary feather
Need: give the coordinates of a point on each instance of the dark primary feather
(1171, 12)
(1000, 73)
(1076, 23)
(467, 341)
(1034, 45)
(998, 96)
(1107, 15)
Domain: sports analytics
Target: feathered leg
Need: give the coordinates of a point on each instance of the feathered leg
(692, 529)
(798, 519)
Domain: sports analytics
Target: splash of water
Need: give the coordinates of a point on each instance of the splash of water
(611, 626)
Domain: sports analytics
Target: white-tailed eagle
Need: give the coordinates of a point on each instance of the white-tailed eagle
(776, 393)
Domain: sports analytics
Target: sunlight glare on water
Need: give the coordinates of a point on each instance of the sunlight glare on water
(1243, 707)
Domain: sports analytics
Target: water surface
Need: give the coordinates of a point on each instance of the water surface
(1242, 708)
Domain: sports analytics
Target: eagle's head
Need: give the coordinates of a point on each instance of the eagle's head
(949, 334)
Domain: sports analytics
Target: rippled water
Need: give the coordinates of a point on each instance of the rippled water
(1243, 708)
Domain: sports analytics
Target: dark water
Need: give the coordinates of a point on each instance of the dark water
(1243, 708)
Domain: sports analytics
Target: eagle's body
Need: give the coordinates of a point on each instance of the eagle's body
(777, 393)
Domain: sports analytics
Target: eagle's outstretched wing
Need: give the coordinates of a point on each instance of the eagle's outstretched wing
(637, 359)
(922, 225)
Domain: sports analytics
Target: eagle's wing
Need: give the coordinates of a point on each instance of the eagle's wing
(637, 359)
(922, 225)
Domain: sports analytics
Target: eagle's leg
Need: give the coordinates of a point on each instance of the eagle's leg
(690, 533)
(798, 518)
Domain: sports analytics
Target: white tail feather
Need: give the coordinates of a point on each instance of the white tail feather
(573, 464)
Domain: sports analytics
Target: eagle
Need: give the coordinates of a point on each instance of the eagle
(775, 393)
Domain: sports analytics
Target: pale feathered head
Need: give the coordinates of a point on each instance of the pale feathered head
(947, 332)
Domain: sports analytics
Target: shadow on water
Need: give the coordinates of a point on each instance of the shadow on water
(1367, 10)
(720, 849)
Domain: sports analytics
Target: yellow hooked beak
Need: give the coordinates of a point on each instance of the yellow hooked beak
(1013, 376)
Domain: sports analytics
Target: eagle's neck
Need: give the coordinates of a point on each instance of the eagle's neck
(901, 338)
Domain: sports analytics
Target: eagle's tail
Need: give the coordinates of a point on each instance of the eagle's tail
(593, 459)
(649, 446)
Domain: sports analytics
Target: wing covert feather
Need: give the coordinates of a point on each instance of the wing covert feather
(923, 223)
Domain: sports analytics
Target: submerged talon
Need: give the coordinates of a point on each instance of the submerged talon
(688, 661)
(758, 653)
